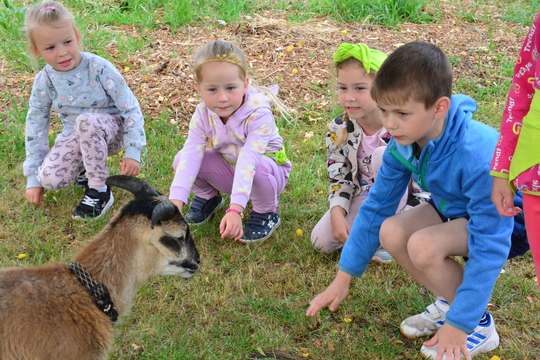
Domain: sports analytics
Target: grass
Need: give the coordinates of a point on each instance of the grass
(250, 300)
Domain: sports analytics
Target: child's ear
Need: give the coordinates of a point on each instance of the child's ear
(197, 88)
(246, 85)
(441, 107)
(34, 50)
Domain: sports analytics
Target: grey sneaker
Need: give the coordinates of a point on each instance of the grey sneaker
(426, 323)
(382, 256)
(484, 338)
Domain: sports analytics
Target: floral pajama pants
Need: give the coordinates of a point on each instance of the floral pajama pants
(96, 137)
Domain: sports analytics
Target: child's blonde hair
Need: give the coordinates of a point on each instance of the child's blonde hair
(365, 57)
(47, 13)
(226, 51)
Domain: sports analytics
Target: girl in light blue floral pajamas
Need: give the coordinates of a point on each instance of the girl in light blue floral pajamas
(99, 113)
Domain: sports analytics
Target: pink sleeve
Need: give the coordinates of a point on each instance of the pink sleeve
(190, 158)
(519, 99)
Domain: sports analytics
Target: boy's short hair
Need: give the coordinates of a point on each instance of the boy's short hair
(416, 70)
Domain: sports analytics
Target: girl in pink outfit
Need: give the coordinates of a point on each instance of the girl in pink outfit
(516, 160)
(233, 147)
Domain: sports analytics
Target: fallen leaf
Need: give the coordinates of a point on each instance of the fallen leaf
(294, 71)
(207, 280)
(345, 32)
(495, 358)
(290, 48)
(304, 349)
(317, 343)
(126, 68)
(331, 347)
(399, 342)
(347, 319)
(299, 232)
(20, 256)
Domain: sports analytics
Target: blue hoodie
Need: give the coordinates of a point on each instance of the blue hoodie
(455, 169)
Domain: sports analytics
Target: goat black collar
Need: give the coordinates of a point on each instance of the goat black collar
(98, 292)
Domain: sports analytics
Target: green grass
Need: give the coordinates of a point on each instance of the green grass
(249, 300)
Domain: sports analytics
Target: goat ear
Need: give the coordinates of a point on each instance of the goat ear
(138, 187)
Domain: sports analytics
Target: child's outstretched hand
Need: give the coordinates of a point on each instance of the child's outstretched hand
(231, 225)
(452, 342)
(503, 198)
(35, 195)
(130, 167)
(334, 294)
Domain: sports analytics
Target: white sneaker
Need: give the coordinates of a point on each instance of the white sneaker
(382, 256)
(426, 323)
(484, 338)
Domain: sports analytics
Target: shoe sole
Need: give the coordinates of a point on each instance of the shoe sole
(218, 207)
(408, 336)
(379, 260)
(245, 242)
(107, 206)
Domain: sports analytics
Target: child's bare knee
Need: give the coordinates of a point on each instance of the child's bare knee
(390, 233)
(421, 254)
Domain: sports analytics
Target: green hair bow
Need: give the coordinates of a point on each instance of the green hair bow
(371, 59)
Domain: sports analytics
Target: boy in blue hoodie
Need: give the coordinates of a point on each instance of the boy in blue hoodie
(448, 154)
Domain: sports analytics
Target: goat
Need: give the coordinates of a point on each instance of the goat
(50, 313)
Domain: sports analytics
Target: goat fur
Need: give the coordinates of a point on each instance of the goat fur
(46, 314)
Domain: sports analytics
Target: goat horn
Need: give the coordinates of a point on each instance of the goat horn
(165, 210)
(138, 187)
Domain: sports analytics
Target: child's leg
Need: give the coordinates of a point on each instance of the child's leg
(269, 181)
(215, 175)
(321, 235)
(421, 243)
(100, 135)
(61, 164)
(531, 211)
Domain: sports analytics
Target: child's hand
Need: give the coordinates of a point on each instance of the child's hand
(503, 198)
(452, 342)
(231, 226)
(340, 226)
(179, 204)
(130, 167)
(35, 195)
(334, 294)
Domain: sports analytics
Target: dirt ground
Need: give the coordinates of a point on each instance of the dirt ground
(296, 57)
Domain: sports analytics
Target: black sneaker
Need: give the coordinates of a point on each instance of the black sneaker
(94, 204)
(201, 210)
(260, 226)
(81, 180)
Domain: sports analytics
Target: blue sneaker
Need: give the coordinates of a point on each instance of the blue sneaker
(201, 210)
(260, 227)
(484, 338)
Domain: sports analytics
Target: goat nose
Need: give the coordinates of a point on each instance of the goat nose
(190, 265)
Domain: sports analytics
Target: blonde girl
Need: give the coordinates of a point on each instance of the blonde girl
(99, 113)
(233, 147)
(355, 143)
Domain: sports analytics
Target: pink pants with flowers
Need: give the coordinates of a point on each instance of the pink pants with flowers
(96, 137)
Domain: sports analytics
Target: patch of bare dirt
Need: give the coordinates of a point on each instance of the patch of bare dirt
(297, 57)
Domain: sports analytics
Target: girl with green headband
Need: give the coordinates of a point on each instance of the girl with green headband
(355, 143)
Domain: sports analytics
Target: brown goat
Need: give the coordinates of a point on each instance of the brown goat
(46, 313)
